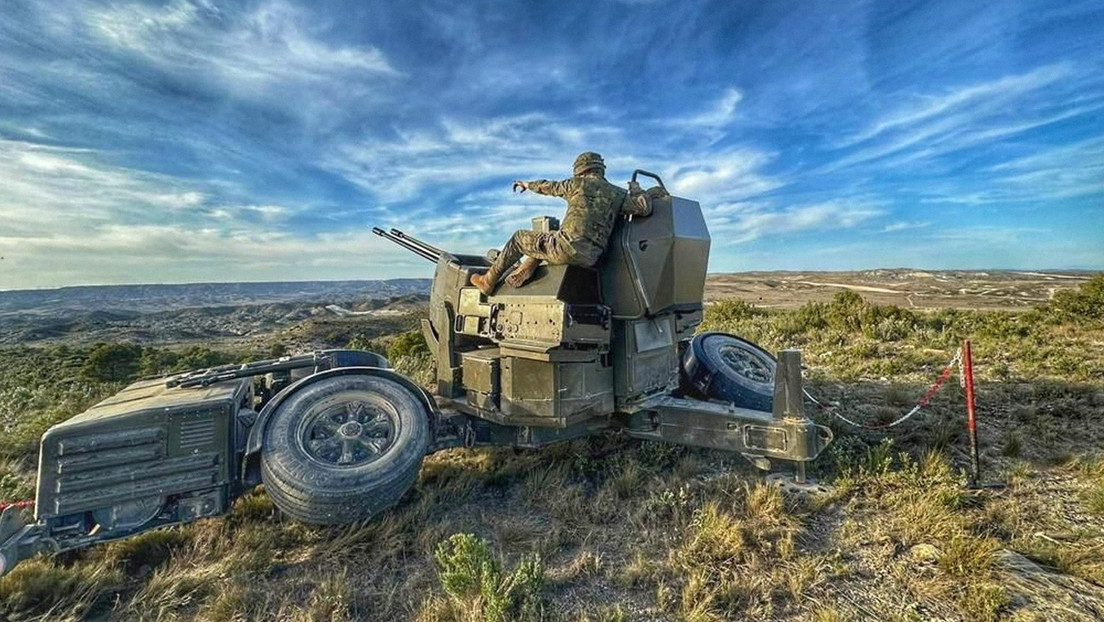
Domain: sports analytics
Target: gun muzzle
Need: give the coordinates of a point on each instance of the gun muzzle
(415, 246)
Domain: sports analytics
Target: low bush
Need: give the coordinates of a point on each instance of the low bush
(112, 362)
(1084, 303)
(410, 343)
(478, 587)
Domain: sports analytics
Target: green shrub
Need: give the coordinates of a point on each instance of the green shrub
(156, 361)
(1086, 302)
(420, 367)
(854, 458)
(113, 362)
(202, 357)
(811, 316)
(410, 343)
(475, 582)
(731, 311)
(15, 485)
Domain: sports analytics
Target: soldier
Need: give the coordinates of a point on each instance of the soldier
(593, 204)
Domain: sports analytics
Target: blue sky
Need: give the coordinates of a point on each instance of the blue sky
(201, 141)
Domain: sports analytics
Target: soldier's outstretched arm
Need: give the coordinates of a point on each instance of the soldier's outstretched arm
(550, 188)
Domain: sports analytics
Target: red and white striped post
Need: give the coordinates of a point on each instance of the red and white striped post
(971, 412)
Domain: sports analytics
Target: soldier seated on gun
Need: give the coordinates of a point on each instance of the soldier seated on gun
(593, 205)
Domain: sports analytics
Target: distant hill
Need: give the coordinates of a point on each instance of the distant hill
(154, 298)
(209, 312)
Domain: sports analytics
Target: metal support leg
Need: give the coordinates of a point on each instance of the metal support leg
(789, 400)
(789, 404)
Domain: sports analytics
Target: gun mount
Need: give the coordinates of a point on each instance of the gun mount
(338, 436)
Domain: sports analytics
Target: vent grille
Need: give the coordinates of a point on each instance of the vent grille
(197, 433)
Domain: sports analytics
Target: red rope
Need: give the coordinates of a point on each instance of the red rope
(28, 503)
(935, 387)
(939, 382)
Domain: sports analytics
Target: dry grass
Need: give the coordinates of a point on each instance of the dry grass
(51, 591)
(645, 531)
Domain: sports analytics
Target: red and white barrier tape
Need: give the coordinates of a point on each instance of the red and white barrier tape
(17, 504)
(833, 410)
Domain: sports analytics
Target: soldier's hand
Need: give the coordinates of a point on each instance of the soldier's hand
(524, 185)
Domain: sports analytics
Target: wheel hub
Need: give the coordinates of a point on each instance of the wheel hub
(351, 433)
(352, 429)
(745, 364)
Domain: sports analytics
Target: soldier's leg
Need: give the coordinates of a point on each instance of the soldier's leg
(555, 248)
(521, 275)
(521, 243)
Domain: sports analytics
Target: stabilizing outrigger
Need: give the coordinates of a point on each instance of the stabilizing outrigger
(338, 436)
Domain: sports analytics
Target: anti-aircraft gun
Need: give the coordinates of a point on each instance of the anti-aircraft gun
(338, 436)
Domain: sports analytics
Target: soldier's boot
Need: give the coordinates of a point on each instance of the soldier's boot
(521, 275)
(485, 282)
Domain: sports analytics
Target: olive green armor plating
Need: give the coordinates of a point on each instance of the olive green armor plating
(577, 349)
(337, 436)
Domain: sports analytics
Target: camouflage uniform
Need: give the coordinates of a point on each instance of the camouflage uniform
(593, 205)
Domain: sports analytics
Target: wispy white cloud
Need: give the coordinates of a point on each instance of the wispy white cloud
(904, 226)
(1050, 174)
(74, 212)
(1089, 152)
(736, 223)
(262, 48)
(719, 114)
(273, 54)
(970, 118)
(61, 187)
(460, 153)
(454, 154)
(925, 108)
(179, 253)
(724, 176)
(61, 205)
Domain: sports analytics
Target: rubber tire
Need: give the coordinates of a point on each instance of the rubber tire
(312, 491)
(705, 371)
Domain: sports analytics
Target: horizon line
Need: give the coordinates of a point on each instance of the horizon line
(1070, 271)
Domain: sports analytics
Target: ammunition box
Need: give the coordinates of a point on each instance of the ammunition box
(481, 370)
(555, 393)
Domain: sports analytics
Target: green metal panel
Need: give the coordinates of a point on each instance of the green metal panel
(555, 393)
(147, 441)
(645, 356)
(658, 263)
(481, 370)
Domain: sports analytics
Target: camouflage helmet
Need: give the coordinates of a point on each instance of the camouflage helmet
(586, 161)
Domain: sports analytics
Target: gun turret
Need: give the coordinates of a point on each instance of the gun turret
(412, 244)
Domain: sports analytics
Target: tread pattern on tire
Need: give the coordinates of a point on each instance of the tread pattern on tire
(312, 492)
